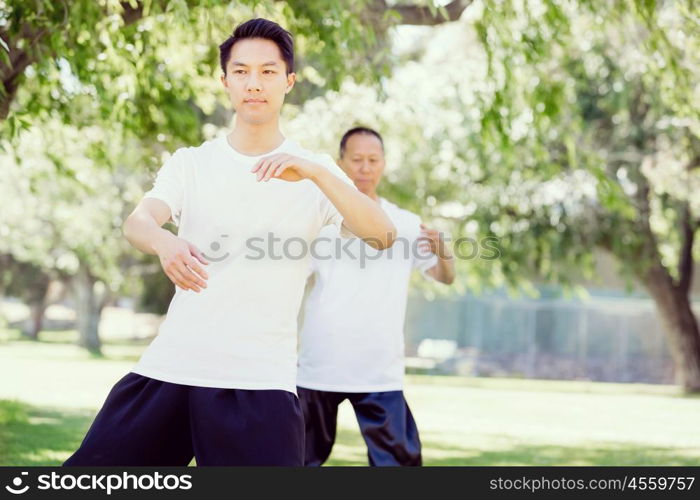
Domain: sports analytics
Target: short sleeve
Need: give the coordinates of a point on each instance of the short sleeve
(169, 185)
(330, 214)
(422, 260)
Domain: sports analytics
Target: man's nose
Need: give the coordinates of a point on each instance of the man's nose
(253, 84)
(365, 166)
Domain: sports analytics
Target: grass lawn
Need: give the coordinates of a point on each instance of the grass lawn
(51, 390)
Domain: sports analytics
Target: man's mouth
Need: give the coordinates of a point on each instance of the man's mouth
(254, 100)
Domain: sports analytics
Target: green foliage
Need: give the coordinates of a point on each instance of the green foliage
(609, 89)
(65, 194)
(154, 68)
(552, 126)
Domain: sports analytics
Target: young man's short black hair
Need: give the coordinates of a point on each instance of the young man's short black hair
(358, 130)
(260, 28)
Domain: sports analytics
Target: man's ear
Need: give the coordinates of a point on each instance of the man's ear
(291, 79)
(223, 80)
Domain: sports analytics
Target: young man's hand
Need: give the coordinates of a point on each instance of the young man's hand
(286, 167)
(179, 259)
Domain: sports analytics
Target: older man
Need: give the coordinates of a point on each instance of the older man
(351, 341)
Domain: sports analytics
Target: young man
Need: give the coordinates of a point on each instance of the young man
(218, 382)
(351, 342)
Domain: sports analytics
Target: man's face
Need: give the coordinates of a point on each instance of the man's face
(256, 80)
(363, 161)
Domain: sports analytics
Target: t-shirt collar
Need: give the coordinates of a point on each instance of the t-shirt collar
(224, 142)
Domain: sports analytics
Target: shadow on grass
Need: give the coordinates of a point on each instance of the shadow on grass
(39, 436)
(350, 450)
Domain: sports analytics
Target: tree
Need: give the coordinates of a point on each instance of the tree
(608, 95)
(64, 204)
(30, 283)
(141, 60)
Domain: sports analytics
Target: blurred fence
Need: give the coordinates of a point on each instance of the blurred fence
(602, 339)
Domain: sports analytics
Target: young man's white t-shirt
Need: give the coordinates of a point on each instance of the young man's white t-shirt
(352, 338)
(241, 331)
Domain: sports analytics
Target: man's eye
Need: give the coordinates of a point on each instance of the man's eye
(239, 71)
(268, 72)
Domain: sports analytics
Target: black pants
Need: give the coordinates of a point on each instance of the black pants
(385, 420)
(147, 422)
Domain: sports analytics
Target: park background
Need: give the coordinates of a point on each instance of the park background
(569, 131)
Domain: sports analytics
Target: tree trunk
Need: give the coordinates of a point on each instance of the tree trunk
(36, 297)
(36, 319)
(681, 326)
(88, 307)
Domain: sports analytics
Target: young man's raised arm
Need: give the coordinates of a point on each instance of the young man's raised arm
(362, 215)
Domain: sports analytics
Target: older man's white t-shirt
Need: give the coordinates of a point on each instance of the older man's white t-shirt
(241, 331)
(352, 337)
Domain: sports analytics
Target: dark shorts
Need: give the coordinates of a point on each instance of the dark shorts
(386, 424)
(147, 422)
